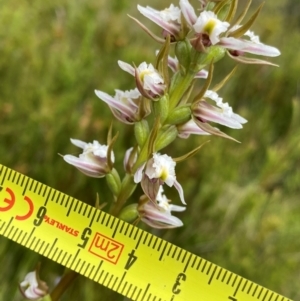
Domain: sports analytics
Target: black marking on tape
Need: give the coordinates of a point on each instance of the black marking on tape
(80, 208)
(77, 264)
(125, 284)
(129, 289)
(25, 186)
(86, 269)
(11, 219)
(260, 293)
(41, 246)
(149, 243)
(265, 295)
(156, 239)
(184, 256)
(112, 223)
(92, 219)
(59, 254)
(70, 208)
(137, 297)
(8, 234)
(188, 262)
(109, 281)
(97, 271)
(271, 297)
(170, 249)
(91, 209)
(33, 240)
(32, 231)
(85, 209)
(67, 202)
(36, 186)
(145, 292)
(203, 268)
(100, 275)
(31, 184)
(91, 271)
(213, 274)
(161, 242)
(4, 175)
(51, 248)
(195, 259)
(126, 229)
(77, 202)
(53, 198)
(133, 292)
(253, 294)
(18, 179)
(13, 237)
(208, 270)
(163, 251)
(238, 286)
(75, 257)
(121, 280)
(136, 233)
(63, 198)
(234, 280)
(10, 171)
(230, 275)
(219, 274)
(116, 228)
(108, 220)
(131, 232)
(140, 238)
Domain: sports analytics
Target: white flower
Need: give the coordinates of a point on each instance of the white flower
(149, 81)
(159, 169)
(221, 114)
(249, 44)
(124, 105)
(32, 287)
(168, 19)
(208, 23)
(93, 160)
(158, 215)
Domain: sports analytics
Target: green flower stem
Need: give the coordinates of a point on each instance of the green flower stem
(63, 284)
(182, 85)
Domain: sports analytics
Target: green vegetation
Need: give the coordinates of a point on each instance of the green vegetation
(243, 199)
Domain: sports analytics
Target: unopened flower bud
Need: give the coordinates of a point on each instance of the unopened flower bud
(130, 159)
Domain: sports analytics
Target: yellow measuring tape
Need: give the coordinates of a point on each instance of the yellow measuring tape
(111, 252)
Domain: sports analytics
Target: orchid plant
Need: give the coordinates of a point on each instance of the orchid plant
(172, 98)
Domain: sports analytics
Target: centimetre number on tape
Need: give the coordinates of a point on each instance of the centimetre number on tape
(122, 257)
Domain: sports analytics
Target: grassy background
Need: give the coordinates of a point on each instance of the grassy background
(243, 199)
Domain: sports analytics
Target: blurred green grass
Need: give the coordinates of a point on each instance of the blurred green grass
(243, 199)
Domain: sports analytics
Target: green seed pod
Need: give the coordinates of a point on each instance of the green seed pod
(129, 213)
(161, 107)
(183, 53)
(114, 182)
(166, 135)
(141, 132)
(179, 115)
